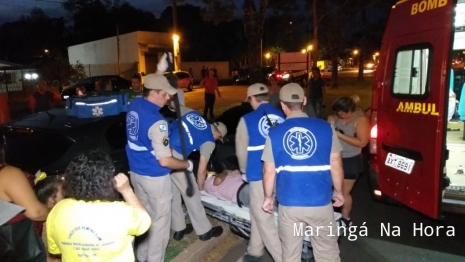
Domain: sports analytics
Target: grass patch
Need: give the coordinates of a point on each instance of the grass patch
(176, 247)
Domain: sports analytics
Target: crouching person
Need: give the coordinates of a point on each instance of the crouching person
(91, 223)
(198, 135)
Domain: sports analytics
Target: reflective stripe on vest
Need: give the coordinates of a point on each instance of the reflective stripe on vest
(303, 168)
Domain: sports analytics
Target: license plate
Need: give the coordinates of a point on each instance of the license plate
(400, 163)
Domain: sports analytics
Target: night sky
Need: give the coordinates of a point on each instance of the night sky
(10, 10)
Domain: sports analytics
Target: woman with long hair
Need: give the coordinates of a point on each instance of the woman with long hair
(352, 128)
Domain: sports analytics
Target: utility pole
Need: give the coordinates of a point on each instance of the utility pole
(175, 16)
(117, 46)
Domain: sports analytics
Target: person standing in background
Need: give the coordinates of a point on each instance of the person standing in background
(4, 110)
(210, 84)
(203, 72)
(274, 92)
(315, 93)
(136, 87)
(42, 100)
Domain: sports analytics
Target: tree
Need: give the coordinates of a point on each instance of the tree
(319, 11)
(31, 35)
(97, 19)
(56, 69)
(254, 20)
(284, 17)
(202, 40)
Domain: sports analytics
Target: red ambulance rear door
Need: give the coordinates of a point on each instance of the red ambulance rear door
(412, 102)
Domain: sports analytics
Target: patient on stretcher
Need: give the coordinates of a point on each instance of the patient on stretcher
(229, 186)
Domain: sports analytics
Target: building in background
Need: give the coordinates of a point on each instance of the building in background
(123, 55)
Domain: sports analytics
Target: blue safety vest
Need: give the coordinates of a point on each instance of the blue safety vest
(197, 131)
(141, 115)
(258, 124)
(301, 149)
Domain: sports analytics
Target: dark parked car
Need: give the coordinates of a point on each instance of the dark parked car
(117, 82)
(50, 140)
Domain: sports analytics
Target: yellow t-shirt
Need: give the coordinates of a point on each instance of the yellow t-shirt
(94, 231)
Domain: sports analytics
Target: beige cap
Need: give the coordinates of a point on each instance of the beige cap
(256, 89)
(292, 93)
(221, 127)
(159, 82)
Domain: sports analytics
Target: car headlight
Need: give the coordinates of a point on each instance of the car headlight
(286, 76)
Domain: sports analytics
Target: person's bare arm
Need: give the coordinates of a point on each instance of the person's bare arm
(337, 173)
(158, 134)
(362, 127)
(202, 172)
(242, 140)
(332, 120)
(124, 188)
(220, 178)
(269, 177)
(269, 169)
(217, 89)
(20, 192)
(206, 150)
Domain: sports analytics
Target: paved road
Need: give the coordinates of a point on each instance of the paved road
(405, 247)
(229, 95)
(234, 94)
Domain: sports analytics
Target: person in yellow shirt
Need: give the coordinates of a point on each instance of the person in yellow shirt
(91, 224)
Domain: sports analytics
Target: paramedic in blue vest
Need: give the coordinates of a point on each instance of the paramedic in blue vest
(303, 156)
(199, 135)
(250, 139)
(151, 162)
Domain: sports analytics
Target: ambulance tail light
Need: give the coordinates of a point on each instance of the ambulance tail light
(373, 132)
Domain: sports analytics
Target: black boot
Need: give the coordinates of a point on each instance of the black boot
(178, 235)
(214, 232)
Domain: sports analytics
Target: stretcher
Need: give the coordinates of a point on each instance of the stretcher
(238, 219)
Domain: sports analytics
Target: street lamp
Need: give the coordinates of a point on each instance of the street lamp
(308, 51)
(355, 53)
(267, 56)
(176, 51)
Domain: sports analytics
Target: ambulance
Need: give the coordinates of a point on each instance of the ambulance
(417, 152)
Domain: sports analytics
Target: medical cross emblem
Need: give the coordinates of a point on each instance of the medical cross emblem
(264, 125)
(299, 143)
(197, 121)
(97, 111)
(132, 125)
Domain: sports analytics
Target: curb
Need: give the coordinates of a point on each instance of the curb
(199, 249)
